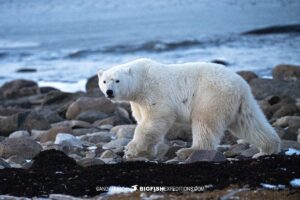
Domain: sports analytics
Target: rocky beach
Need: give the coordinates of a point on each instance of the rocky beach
(82, 136)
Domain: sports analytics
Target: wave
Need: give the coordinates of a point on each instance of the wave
(7, 44)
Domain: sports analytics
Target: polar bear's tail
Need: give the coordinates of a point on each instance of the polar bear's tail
(252, 125)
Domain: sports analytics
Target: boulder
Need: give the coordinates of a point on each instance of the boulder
(286, 72)
(97, 137)
(18, 88)
(205, 155)
(25, 147)
(286, 109)
(51, 134)
(73, 124)
(82, 104)
(92, 87)
(285, 144)
(87, 162)
(116, 143)
(262, 88)
(91, 116)
(247, 75)
(19, 134)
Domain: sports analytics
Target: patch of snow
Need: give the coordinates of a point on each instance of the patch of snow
(295, 182)
(292, 151)
(273, 187)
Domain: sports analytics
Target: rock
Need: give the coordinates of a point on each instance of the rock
(4, 164)
(106, 127)
(92, 87)
(180, 131)
(84, 131)
(51, 116)
(285, 144)
(122, 116)
(116, 143)
(19, 134)
(286, 72)
(87, 162)
(51, 134)
(291, 121)
(65, 139)
(7, 111)
(82, 104)
(221, 62)
(46, 89)
(26, 70)
(262, 88)
(107, 121)
(18, 88)
(205, 155)
(91, 116)
(236, 149)
(286, 109)
(247, 75)
(250, 152)
(275, 29)
(32, 120)
(16, 159)
(73, 124)
(25, 147)
(59, 101)
(279, 130)
(108, 154)
(96, 137)
(171, 153)
(178, 143)
(228, 138)
(123, 131)
(291, 133)
(172, 161)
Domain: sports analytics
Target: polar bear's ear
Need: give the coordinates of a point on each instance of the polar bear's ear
(100, 72)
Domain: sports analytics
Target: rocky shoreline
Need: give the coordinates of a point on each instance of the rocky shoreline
(93, 131)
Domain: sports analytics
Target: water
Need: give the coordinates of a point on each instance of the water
(69, 41)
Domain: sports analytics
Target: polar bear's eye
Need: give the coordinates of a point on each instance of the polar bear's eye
(117, 81)
(104, 82)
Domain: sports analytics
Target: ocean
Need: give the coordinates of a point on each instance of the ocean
(67, 41)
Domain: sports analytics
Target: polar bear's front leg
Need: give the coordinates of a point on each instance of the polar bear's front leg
(148, 135)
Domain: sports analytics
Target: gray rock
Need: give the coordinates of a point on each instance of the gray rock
(18, 88)
(91, 116)
(285, 144)
(16, 159)
(32, 120)
(19, 134)
(108, 154)
(107, 121)
(116, 143)
(250, 152)
(84, 131)
(86, 162)
(4, 164)
(82, 104)
(205, 155)
(172, 161)
(236, 149)
(96, 137)
(171, 153)
(178, 143)
(25, 147)
(73, 124)
(123, 131)
(262, 88)
(51, 134)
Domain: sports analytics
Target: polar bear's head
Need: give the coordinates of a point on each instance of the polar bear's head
(116, 83)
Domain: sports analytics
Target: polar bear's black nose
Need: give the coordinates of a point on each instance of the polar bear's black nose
(110, 93)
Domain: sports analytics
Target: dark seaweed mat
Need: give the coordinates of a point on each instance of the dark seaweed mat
(54, 172)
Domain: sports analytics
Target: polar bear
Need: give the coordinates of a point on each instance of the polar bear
(208, 96)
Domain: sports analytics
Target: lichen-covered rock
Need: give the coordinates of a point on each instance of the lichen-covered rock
(286, 72)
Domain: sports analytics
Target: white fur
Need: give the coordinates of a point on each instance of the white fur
(209, 96)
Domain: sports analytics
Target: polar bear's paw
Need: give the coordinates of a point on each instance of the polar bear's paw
(136, 150)
(184, 153)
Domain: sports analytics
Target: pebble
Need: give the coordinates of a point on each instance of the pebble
(66, 139)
